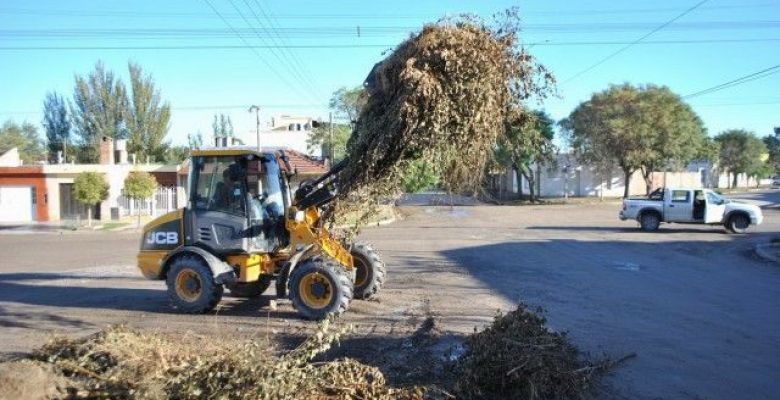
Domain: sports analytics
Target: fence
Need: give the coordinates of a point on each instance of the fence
(163, 201)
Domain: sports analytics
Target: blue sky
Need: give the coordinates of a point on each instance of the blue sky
(719, 41)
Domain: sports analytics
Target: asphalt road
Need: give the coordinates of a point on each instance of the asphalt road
(698, 308)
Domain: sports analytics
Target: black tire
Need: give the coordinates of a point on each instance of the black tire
(191, 285)
(738, 223)
(650, 221)
(318, 287)
(250, 289)
(370, 271)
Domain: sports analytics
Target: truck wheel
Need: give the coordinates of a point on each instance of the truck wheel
(250, 289)
(649, 221)
(738, 223)
(191, 285)
(319, 287)
(369, 271)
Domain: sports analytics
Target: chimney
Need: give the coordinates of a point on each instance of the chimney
(120, 151)
(106, 150)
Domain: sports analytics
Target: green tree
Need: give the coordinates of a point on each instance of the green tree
(333, 145)
(772, 143)
(676, 133)
(635, 128)
(419, 175)
(57, 125)
(98, 109)
(709, 150)
(740, 152)
(177, 154)
(222, 126)
(25, 138)
(526, 141)
(139, 185)
(148, 118)
(347, 103)
(90, 188)
(195, 140)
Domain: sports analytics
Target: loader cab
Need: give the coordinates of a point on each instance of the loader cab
(237, 202)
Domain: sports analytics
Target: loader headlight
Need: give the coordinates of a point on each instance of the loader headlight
(299, 216)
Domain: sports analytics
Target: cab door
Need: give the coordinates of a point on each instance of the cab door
(218, 218)
(679, 206)
(716, 207)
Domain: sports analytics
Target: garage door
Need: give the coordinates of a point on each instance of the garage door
(16, 204)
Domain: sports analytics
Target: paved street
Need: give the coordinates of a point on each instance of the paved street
(698, 308)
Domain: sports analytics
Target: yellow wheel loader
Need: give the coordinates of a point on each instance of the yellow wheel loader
(242, 229)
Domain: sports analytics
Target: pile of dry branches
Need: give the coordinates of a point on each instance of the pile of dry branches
(518, 357)
(125, 363)
(441, 97)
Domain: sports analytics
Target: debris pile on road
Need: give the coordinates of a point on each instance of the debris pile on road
(125, 363)
(518, 357)
(441, 97)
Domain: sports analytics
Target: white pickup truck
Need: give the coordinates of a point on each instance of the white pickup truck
(690, 206)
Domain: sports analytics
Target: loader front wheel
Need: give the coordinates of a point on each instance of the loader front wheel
(319, 287)
(191, 285)
(369, 271)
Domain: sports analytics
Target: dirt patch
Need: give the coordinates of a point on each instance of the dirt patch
(31, 381)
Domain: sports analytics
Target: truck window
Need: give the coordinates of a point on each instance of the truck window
(680, 196)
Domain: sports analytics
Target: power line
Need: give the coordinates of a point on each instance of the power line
(204, 107)
(297, 16)
(194, 47)
(365, 30)
(735, 82)
(254, 50)
(297, 76)
(304, 72)
(368, 46)
(626, 47)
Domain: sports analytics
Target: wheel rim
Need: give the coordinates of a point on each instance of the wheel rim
(650, 220)
(361, 272)
(740, 222)
(316, 290)
(188, 285)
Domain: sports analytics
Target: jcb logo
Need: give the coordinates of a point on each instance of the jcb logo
(162, 238)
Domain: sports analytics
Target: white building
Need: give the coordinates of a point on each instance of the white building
(289, 132)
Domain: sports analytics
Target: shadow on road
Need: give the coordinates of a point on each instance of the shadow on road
(690, 309)
(14, 288)
(662, 230)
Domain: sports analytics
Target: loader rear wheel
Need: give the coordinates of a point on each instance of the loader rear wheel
(250, 289)
(319, 287)
(370, 271)
(191, 285)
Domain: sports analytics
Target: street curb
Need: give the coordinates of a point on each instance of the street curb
(378, 223)
(762, 250)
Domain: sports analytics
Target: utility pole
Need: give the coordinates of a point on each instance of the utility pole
(330, 133)
(256, 109)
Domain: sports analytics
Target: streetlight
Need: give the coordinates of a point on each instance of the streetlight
(256, 109)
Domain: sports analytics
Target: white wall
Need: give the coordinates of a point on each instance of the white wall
(115, 175)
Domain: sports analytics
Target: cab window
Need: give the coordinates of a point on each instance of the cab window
(681, 196)
(713, 198)
(221, 185)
